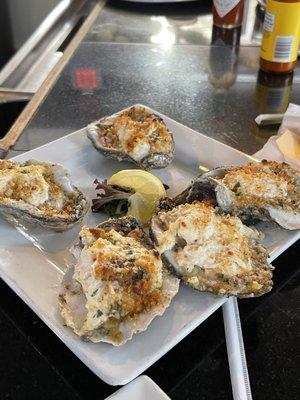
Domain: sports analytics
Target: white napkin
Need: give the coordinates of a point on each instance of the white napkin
(285, 146)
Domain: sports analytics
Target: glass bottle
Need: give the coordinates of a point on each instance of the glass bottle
(273, 92)
(228, 13)
(223, 62)
(223, 56)
(281, 30)
(272, 96)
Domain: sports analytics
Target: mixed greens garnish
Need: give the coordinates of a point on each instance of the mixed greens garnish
(111, 199)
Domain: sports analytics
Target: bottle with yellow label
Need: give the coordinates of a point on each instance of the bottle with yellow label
(281, 30)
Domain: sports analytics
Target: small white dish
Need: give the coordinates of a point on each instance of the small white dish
(35, 276)
(141, 388)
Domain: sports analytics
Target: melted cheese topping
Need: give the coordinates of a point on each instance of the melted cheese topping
(34, 185)
(265, 183)
(119, 276)
(137, 133)
(204, 239)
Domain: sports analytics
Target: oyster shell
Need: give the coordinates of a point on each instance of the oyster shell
(267, 191)
(134, 135)
(118, 284)
(40, 192)
(211, 251)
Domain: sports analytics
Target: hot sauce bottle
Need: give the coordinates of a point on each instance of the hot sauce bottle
(228, 13)
(281, 30)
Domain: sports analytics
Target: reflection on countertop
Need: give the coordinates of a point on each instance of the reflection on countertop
(170, 58)
(182, 82)
(168, 24)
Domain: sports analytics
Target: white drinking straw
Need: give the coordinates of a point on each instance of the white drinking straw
(240, 383)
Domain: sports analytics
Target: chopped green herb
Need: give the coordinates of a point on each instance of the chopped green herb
(98, 314)
(219, 211)
(138, 276)
(281, 203)
(236, 187)
(94, 292)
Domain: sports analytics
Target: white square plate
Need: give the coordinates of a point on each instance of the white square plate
(35, 276)
(141, 388)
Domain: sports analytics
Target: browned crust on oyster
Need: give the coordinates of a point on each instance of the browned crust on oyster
(257, 173)
(246, 283)
(255, 284)
(105, 137)
(14, 207)
(132, 279)
(266, 190)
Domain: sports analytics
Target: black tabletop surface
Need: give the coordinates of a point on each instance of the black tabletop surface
(182, 80)
(35, 364)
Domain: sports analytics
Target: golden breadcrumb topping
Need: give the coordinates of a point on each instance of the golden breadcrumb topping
(137, 133)
(206, 238)
(36, 186)
(212, 251)
(265, 183)
(123, 278)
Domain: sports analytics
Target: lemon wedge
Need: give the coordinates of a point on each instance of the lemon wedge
(147, 191)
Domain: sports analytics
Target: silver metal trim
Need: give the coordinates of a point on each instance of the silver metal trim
(7, 95)
(18, 127)
(34, 39)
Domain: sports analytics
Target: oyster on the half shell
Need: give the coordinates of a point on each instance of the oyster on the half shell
(211, 251)
(134, 135)
(118, 284)
(267, 191)
(40, 193)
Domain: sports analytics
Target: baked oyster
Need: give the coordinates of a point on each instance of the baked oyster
(134, 135)
(118, 284)
(212, 251)
(40, 192)
(267, 191)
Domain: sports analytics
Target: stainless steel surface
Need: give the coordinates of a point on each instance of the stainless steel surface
(39, 71)
(32, 63)
(105, 77)
(165, 24)
(121, 22)
(33, 40)
(7, 95)
(156, 1)
(17, 127)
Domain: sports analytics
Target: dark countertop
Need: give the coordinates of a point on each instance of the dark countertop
(103, 78)
(185, 81)
(35, 364)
